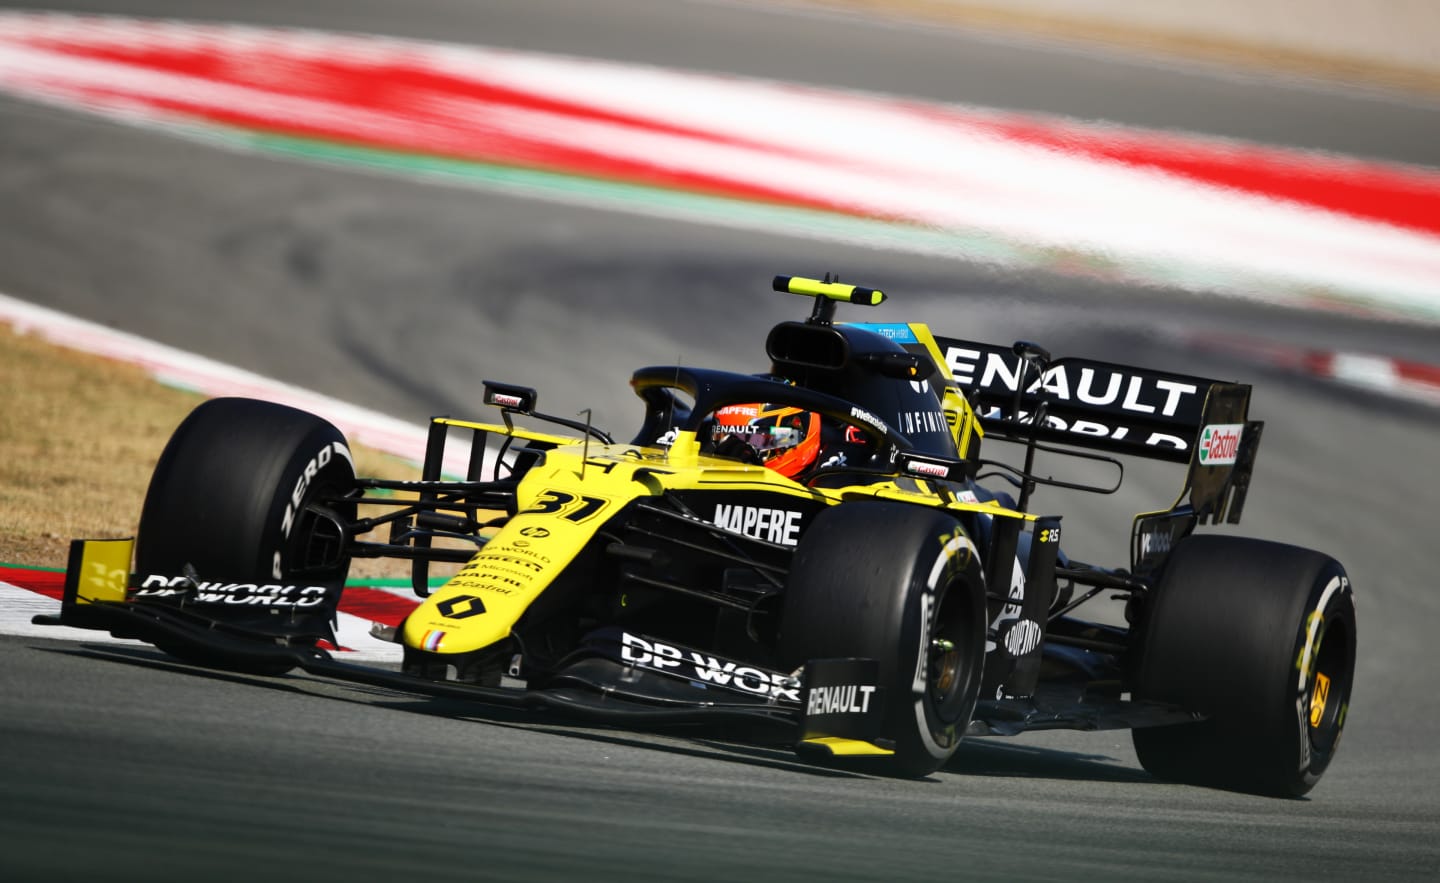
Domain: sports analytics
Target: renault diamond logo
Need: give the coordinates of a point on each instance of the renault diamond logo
(460, 607)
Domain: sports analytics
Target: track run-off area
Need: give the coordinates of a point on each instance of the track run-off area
(366, 208)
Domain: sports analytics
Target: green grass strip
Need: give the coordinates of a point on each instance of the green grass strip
(390, 583)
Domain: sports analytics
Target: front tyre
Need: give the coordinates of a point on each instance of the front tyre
(900, 584)
(1260, 637)
(233, 496)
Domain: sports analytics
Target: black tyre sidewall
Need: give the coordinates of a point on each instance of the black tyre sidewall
(1232, 633)
(235, 475)
(872, 580)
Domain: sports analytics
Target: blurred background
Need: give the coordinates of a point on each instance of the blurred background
(1388, 41)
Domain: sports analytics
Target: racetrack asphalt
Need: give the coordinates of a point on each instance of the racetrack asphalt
(401, 296)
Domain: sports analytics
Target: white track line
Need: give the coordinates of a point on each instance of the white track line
(213, 379)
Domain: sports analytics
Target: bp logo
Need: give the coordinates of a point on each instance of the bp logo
(1219, 443)
(460, 607)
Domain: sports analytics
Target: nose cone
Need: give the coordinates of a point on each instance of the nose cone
(455, 620)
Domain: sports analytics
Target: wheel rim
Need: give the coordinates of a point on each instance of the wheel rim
(1327, 696)
(316, 547)
(949, 679)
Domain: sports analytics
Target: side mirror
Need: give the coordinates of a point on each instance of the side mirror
(510, 397)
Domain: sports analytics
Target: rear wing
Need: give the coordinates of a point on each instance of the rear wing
(1118, 409)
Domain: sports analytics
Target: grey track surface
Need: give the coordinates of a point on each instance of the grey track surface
(118, 765)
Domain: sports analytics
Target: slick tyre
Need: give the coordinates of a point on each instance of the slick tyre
(900, 584)
(231, 497)
(1260, 637)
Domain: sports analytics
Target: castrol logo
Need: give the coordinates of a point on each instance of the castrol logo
(1219, 443)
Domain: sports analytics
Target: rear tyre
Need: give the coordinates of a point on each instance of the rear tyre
(900, 584)
(1260, 637)
(231, 493)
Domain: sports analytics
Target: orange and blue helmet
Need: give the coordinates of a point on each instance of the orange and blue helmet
(784, 438)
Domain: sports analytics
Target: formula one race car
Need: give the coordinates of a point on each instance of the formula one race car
(806, 556)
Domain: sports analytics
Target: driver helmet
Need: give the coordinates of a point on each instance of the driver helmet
(783, 438)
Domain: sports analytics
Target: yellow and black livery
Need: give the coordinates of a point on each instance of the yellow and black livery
(878, 605)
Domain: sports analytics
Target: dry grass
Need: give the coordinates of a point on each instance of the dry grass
(1258, 56)
(79, 437)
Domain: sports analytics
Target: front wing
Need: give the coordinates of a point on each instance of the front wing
(615, 683)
